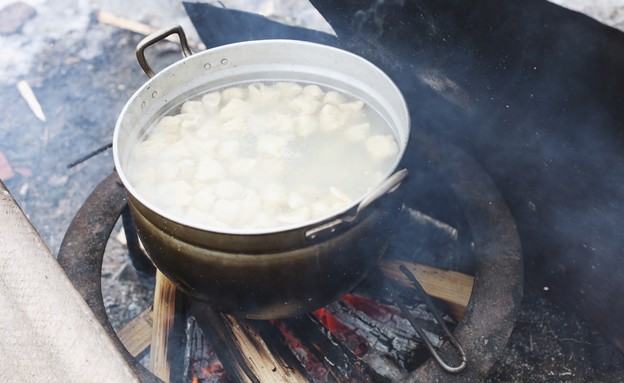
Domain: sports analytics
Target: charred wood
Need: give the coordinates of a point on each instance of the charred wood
(340, 362)
(388, 331)
(243, 353)
(202, 362)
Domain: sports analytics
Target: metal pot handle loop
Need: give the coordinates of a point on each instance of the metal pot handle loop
(156, 37)
(388, 186)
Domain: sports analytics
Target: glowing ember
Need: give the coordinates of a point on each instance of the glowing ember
(347, 336)
(371, 308)
(315, 368)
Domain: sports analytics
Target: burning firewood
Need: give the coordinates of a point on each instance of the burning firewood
(451, 287)
(243, 352)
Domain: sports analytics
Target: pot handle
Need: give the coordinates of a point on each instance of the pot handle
(156, 37)
(388, 186)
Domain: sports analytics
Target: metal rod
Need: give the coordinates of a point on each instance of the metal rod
(93, 153)
(438, 318)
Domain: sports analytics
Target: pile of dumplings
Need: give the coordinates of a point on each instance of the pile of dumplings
(262, 155)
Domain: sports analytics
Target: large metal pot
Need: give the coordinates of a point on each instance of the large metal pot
(263, 274)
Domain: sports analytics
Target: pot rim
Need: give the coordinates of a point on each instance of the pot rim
(334, 214)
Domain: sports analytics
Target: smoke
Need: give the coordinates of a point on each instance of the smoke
(534, 93)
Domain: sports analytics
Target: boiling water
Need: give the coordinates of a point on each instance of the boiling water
(262, 155)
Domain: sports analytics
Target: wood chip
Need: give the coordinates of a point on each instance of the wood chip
(123, 23)
(452, 287)
(163, 316)
(136, 336)
(138, 27)
(27, 93)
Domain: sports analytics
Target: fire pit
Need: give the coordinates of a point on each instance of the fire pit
(489, 246)
(530, 90)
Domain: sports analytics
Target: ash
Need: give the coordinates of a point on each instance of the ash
(552, 344)
(83, 72)
(126, 291)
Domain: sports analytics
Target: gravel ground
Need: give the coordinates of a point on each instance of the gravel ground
(82, 72)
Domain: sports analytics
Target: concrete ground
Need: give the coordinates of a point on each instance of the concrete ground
(82, 71)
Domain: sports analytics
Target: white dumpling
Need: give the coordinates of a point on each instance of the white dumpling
(319, 209)
(226, 159)
(299, 215)
(199, 148)
(236, 126)
(189, 122)
(204, 199)
(142, 171)
(357, 132)
(166, 138)
(280, 123)
(272, 169)
(288, 89)
(352, 105)
(273, 194)
(313, 91)
(306, 125)
(148, 149)
(251, 205)
(176, 193)
(260, 93)
(167, 170)
(272, 146)
(305, 104)
(207, 128)
(170, 124)
(232, 93)
(331, 117)
(295, 200)
(381, 146)
(227, 211)
(209, 169)
(229, 190)
(333, 97)
(173, 152)
(228, 150)
(192, 106)
(211, 101)
(235, 108)
(196, 216)
(262, 220)
(187, 168)
(339, 195)
(242, 167)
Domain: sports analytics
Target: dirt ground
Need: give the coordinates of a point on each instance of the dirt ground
(82, 72)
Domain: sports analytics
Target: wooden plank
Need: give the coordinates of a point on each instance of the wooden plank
(261, 360)
(242, 351)
(136, 335)
(164, 314)
(450, 286)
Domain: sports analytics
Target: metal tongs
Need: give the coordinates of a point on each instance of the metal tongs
(438, 318)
